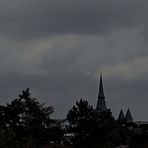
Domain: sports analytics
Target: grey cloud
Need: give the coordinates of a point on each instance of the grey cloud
(27, 19)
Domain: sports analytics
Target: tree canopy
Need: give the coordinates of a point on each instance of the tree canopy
(25, 122)
(93, 129)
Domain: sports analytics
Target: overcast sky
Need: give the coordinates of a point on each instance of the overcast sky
(57, 48)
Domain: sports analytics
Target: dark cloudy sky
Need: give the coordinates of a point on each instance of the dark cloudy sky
(56, 47)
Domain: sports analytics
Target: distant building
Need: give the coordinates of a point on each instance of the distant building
(101, 103)
(127, 118)
(102, 107)
(121, 116)
(138, 130)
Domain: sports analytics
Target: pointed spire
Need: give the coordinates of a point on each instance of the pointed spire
(101, 104)
(121, 116)
(101, 91)
(128, 116)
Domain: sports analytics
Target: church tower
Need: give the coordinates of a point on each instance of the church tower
(101, 104)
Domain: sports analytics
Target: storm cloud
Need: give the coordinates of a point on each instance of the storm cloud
(57, 48)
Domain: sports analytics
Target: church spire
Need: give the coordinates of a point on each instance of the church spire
(121, 116)
(101, 91)
(128, 116)
(101, 104)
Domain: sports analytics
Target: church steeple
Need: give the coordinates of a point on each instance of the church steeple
(101, 104)
(128, 116)
(121, 116)
(101, 91)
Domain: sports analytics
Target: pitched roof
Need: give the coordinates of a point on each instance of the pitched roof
(128, 116)
(121, 116)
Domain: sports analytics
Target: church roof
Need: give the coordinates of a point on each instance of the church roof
(121, 116)
(128, 116)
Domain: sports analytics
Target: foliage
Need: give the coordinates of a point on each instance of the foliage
(25, 122)
(91, 128)
(82, 123)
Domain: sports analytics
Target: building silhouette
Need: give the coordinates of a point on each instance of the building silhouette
(102, 107)
(138, 130)
(121, 116)
(127, 118)
(101, 103)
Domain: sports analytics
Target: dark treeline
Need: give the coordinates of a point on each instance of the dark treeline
(25, 123)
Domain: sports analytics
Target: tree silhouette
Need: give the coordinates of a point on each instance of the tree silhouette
(82, 123)
(91, 129)
(25, 122)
